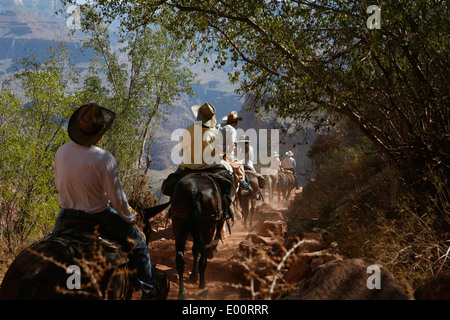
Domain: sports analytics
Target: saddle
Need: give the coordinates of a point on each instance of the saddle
(286, 171)
(256, 183)
(90, 229)
(220, 175)
(86, 245)
(259, 177)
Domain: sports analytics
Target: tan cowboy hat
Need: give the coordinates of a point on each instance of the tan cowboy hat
(244, 139)
(289, 153)
(231, 117)
(89, 123)
(206, 113)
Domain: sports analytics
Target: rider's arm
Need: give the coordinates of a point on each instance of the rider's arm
(114, 191)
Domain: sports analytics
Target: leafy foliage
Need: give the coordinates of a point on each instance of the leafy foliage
(136, 88)
(30, 134)
(317, 58)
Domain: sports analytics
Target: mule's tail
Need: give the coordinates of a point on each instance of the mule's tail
(196, 221)
(153, 211)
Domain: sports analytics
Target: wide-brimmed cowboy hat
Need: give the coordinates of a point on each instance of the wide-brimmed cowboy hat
(289, 153)
(275, 154)
(244, 139)
(231, 117)
(206, 113)
(89, 123)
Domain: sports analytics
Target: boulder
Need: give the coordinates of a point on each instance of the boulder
(272, 228)
(266, 212)
(436, 289)
(297, 272)
(348, 280)
(255, 239)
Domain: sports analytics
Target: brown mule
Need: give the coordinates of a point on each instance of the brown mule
(197, 210)
(248, 199)
(41, 271)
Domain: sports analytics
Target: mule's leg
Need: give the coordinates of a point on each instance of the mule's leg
(212, 248)
(194, 274)
(180, 240)
(211, 235)
(202, 267)
(245, 207)
(180, 271)
(251, 212)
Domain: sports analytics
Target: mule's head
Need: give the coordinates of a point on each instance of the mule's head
(145, 214)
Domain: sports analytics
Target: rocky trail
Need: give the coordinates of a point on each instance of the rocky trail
(227, 273)
(219, 268)
(263, 263)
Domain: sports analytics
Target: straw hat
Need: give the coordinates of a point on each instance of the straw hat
(231, 117)
(89, 123)
(206, 113)
(244, 139)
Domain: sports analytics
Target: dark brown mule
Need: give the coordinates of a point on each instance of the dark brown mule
(197, 210)
(40, 271)
(248, 202)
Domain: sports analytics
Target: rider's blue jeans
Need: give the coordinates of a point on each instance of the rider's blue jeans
(124, 233)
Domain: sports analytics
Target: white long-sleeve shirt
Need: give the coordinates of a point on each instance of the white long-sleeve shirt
(246, 158)
(288, 163)
(229, 138)
(87, 179)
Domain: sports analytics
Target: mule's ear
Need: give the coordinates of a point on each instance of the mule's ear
(153, 211)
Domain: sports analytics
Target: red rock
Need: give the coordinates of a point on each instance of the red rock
(272, 228)
(297, 272)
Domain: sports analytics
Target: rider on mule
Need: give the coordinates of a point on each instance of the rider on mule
(88, 184)
(289, 164)
(201, 147)
(229, 136)
(275, 162)
(246, 156)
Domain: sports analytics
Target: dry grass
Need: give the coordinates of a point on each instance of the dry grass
(259, 270)
(366, 207)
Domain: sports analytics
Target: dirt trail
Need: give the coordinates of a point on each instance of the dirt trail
(219, 269)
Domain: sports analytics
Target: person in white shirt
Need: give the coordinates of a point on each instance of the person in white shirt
(289, 163)
(275, 162)
(89, 187)
(228, 131)
(245, 152)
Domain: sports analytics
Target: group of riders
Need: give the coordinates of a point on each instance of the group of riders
(88, 183)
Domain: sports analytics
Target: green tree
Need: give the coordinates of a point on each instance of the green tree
(30, 134)
(136, 80)
(316, 59)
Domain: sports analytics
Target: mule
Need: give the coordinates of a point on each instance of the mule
(40, 271)
(288, 182)
(272, 187)
(196, 210)
(248, 201)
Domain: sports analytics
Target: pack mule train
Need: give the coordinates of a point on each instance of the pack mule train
(39, 271)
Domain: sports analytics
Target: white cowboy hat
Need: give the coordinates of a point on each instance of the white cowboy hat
(231, 117)
(289, 153)
(244, 139)
(275, 154)
(206, 113)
